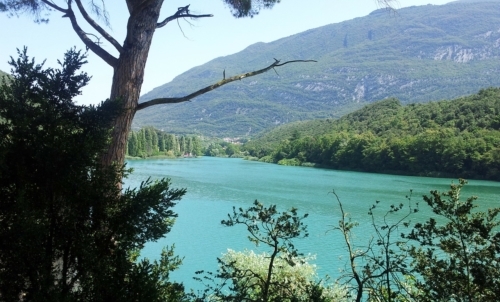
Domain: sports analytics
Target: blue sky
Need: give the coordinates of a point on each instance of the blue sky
(175, 51)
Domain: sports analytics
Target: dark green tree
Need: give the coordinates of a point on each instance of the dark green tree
(197, 149)
(456, 258)
(148, 136)
(232, 149)
(169, 142)
(161, 141)
(67, 233)
(133, 147)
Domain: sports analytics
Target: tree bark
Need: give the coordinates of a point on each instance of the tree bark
(129, 74)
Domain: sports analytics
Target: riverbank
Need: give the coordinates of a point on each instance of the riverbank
(296, 163)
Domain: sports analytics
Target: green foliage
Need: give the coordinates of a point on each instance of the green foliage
(453, 256)
(456, 258)
(4, 75)
(249, 8)
(67, 231)
(232, 149)
(289, 162)
(215, 150)
(419, 56)
(288, 283)
(221, 148)
(458, 138)
(275, 230)
(149, 141)
(379, 268)
(270, 227)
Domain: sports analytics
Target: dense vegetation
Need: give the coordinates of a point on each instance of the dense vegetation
(3, 74)
(422, 53)
(69, 233)
(152, 142)
(459, 138)
(67, 230)
(149, 141)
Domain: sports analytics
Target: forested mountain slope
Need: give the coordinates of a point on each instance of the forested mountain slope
(418, 54)
(459, 138)
(2, 74)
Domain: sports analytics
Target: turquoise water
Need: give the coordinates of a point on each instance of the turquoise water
(215, 185)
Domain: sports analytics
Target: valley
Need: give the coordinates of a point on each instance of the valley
(418, 54)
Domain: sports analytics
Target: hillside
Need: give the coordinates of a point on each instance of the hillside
(2, 74)
(419, 54)
(460, 138)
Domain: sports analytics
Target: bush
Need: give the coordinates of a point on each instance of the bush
(266, 159)
(289, 162)
(297, 281)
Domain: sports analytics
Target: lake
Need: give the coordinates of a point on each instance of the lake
(215, 185)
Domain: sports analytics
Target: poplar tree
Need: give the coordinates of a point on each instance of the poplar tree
(182, 144)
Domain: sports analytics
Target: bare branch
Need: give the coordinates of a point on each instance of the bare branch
(180, 27)
(98, 50)
(182, 12)
(54, 6)
(214, 86)
(98, 28)
(388, 4)
(100, 12)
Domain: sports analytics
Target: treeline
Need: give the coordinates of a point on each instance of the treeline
(153, 142)
(223, 149)
(458, 138)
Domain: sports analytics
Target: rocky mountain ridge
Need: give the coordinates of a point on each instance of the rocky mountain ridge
(419, 54)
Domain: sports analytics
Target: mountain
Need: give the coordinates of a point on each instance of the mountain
(2, 74)
(456, 138)
(418, 54)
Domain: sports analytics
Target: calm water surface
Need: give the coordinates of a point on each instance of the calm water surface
(215, 185)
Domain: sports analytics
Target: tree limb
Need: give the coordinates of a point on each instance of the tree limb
(215, 86)
(54, 6)
(98, 28)
(103, 54)
(182, 12)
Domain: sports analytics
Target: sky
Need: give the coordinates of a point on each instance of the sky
(178, 47)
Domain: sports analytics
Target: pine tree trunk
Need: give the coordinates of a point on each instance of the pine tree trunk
(129, 74)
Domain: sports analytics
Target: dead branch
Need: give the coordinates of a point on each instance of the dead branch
(182, 12)
(215, 86)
